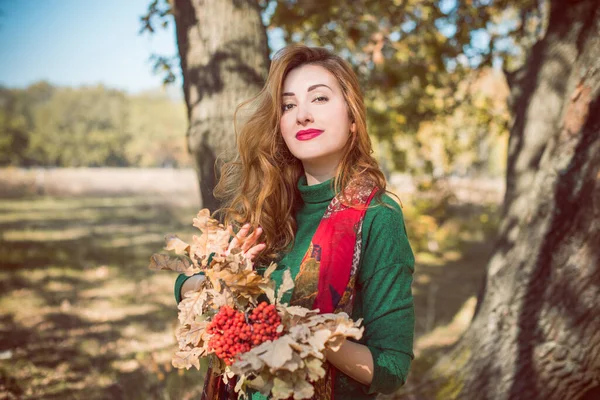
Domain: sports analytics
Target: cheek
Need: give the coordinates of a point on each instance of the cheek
(284, 125)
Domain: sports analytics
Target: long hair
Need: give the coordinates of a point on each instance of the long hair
(260, 185)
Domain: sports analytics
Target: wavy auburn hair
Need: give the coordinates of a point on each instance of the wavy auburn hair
(260, 185)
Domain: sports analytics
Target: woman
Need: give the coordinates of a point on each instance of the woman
(346, 249)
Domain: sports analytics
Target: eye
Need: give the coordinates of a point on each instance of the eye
(320, 99)
(287, 107)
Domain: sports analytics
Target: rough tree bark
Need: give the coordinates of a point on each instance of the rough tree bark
(224, 59)
(536, 330)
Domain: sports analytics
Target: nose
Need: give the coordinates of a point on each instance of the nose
(303, 115)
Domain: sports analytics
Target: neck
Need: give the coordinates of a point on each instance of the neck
(319, 172)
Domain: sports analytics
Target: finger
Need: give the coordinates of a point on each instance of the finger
(239, 237)
(249, 242)
(253, 252)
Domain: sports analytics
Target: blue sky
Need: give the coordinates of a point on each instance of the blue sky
(74, 42)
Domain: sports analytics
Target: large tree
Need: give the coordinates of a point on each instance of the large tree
(536, 331)
(224, 59)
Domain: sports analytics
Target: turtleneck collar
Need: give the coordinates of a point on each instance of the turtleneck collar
(319, 193)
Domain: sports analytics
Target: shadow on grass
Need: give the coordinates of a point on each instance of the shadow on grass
(82, 318)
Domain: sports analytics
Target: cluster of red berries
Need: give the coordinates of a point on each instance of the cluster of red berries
(233, 335)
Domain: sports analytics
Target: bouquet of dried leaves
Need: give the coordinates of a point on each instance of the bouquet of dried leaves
(276, 349)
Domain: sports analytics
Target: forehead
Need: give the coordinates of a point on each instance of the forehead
(301, 78)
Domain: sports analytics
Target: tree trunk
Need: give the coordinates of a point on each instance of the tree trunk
(224, 59)
(536, 330)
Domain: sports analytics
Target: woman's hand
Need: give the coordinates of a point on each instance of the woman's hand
(246, 242)
(243, 240)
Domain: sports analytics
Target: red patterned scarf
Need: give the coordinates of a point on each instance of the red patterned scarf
(328, 270)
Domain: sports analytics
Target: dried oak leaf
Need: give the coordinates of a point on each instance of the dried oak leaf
(268, 285)
(286, 284)
(318, 339)
(161, 262)
(314, 368)
(275, 353)
(197, 333)
(299, 311)
(192, 305)
(173, 243)
(282, 388)
(303, 389)
(188, 358)
(243, 282)
(214, 238)
(292, 384)
(306, 349)
(299, 332)
(248, 362)
(294, 363)
(263, 383)
(270, 269)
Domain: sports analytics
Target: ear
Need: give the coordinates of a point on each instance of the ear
(353, 127)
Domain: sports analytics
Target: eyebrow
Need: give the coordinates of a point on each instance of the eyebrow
(310, 88)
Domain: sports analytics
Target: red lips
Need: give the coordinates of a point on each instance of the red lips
(308, 134)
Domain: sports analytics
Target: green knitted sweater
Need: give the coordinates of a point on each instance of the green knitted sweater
(383, 288)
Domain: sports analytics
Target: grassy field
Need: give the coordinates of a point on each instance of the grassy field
(83, 317)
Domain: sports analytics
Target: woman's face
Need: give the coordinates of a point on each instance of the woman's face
(315, 124)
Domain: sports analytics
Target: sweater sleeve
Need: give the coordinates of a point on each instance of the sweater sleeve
(183, 277)
(385, 282)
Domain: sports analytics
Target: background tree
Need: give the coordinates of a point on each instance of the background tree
(157, 124)
(17, 121)
(85, 127)
(224, 60)
(50, 126)
(535, 332)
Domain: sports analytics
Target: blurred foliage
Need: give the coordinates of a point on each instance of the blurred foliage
(436, 100)
(440, 223)
(159, 125)
(44, 125)
(418, 61)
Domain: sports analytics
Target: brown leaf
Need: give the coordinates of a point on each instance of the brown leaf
(247, 363)
(161, 262)
(191, 306)
(293, 364)
(262, 383)
(287, 284)
(315, 369)
(319, 338)
(299, 311)
(272, 267)
(195, 334)
(303, 389)
(173, 243)
(268, 291)
(277, 352)
(187, 359)
(282, 388)
(299, 332)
